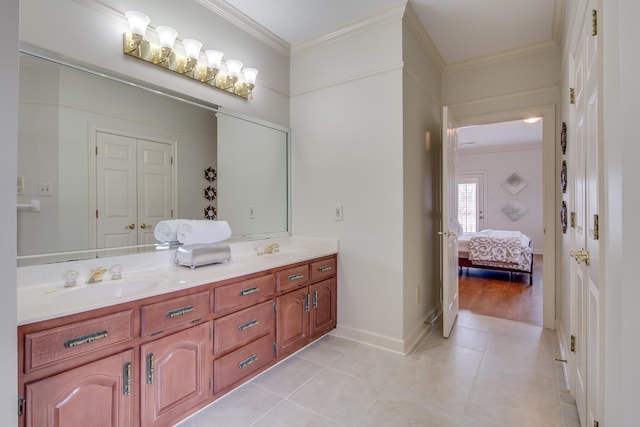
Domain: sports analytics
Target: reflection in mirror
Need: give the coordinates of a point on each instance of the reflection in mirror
(108, 160)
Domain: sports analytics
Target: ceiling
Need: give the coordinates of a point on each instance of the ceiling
(461, 30)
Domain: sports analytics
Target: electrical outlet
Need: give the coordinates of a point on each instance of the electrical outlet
(45, 189)
(252, 212)
(337, 214)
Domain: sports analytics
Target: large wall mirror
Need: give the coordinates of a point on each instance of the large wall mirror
(107, 160)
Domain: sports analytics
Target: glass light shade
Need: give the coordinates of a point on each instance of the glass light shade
(250, 75)
(214, 57)
(192, 48)
(234, 67)
(533, 120)
(167, 36)
(138, 22)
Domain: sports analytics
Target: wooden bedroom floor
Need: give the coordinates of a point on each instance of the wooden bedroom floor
(490, 293)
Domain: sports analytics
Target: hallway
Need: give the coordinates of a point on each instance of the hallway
(491, 372)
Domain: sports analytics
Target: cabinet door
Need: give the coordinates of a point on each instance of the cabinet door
(97, 394)
(323, 307)
(175, 375)
(292, 321)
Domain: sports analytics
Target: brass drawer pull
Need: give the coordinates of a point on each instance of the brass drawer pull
(180, 311)
(247, 362)
(249, 291)
(295, 277)
(85, 339)
(249, 324)
(325, 268)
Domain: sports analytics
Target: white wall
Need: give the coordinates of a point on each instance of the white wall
(92, 33)
(347, 131)
(498, 164)
(8, 153)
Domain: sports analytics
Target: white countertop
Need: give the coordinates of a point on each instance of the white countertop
(42, 295)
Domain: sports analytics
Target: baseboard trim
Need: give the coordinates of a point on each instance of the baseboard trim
(564, 353)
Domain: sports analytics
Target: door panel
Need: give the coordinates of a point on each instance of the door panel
(154, 187)
(450, 294)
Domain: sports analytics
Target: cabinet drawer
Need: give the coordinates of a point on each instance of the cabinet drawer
(57, 344)
(243, 362)
(174, 312)
(322, 269)
(243, 326)
(292, 278)
(247, 291)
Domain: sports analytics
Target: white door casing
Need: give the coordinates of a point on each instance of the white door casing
(449, 238)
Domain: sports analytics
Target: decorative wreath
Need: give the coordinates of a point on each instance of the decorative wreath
(563, 217)
(563, 176)
(210, 174)
(563, 138)
(210, 212)
(210, 193)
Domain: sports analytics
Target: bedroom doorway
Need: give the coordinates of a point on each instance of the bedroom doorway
(492, 151)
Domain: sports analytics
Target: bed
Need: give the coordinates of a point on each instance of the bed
(510, 251)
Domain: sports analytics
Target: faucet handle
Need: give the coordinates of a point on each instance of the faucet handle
(70, 277)
(116, 271)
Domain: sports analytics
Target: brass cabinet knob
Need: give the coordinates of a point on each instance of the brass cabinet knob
(131, 226)
(143, 225)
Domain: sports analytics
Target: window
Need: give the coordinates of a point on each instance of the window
(470, 202)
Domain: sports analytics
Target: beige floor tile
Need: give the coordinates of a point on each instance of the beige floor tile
(464, 337)
(449, 356)
(369, 363)
(319, 354)
(528, 376)
(288, 414)
(287, 376)
(506, 405)
(337, 396)
(394, 409)
(239, 408)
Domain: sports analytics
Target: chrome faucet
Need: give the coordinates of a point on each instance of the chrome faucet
(95, 275)
(273, 248)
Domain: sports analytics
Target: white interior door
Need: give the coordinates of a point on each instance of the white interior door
(116, 191)
(154, 165)
(584, 159)
(449, 238)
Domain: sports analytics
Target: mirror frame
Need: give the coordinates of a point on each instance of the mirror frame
(46, 258)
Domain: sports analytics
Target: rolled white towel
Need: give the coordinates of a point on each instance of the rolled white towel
(203, 231)
(167, 231)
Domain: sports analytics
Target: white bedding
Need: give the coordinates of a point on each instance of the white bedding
(498, 248)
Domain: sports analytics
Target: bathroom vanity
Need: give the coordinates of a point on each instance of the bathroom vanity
(184, 338)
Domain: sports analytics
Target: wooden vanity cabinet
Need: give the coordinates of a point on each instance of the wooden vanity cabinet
(157, 360)
(97, 394)
(308, 312)
(175, 375)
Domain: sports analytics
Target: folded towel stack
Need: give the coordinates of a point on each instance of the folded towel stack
(203, 231)
(167, 231)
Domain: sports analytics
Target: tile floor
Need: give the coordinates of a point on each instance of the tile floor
(490, 372)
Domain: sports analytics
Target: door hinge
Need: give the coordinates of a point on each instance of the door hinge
(171, 159)
(596, 228)
(572, 95)
(275, 307)
(171, 213)
(22, 406)
(573, 220)
(96, 213)
(573, 343)
(596, 423)
(594, 22)
(96, 150)
(275, 347)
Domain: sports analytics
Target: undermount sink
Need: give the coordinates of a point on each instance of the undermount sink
(107, 289)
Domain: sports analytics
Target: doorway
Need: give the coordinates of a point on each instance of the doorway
(543, 293)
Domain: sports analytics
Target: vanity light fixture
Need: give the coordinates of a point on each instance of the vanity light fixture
(213, 70)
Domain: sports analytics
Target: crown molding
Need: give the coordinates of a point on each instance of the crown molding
(394, 13)
(501, 57)
(248, 25)
(416, 27)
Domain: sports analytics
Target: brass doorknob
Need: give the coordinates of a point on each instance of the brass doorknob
(131, 226)
(446, 233)
(143, 225)
(580, 256)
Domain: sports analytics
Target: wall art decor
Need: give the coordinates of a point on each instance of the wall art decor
(563, 176)
(210, 212)
(210, 174)
(514, 210)
(563, 138)
(563, 217)
(210, 193)
(514, 184)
